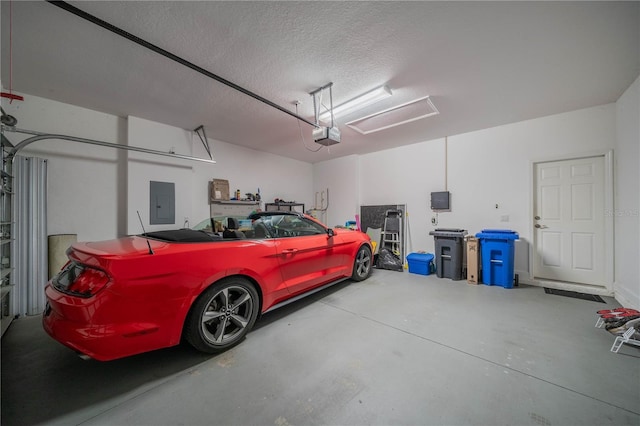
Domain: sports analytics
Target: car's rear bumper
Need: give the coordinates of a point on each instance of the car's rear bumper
(73, 322)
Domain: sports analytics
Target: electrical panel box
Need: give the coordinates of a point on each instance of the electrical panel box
(440, 200)
(162, 208)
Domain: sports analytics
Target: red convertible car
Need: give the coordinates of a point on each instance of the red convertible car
(131, 295)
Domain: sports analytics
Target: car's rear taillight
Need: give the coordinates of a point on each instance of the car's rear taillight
(80, 280)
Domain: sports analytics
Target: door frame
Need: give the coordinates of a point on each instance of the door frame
(609, 259)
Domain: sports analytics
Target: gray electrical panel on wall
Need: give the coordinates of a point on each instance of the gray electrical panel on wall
(440, 200)
(162, 203)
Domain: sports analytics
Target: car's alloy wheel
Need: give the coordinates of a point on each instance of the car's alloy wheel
(222, 315)
(362, 264)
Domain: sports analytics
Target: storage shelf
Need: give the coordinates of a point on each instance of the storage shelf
(236, 202)
(283, 207)
(7, 188)
(4, 324)
(222, 208)
(5, 273)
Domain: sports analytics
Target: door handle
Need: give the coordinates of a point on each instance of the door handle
(537, 225)
(289, 251)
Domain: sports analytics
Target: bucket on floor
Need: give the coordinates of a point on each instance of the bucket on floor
(420, 263)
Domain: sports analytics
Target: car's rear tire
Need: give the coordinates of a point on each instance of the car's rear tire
(362, 264)
(222, 315)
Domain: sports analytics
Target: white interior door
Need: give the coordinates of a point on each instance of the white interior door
(569, 221)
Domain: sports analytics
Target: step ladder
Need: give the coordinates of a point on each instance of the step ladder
(391, 236)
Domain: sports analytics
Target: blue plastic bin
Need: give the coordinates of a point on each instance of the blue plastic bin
(420, 263)
(497, 249)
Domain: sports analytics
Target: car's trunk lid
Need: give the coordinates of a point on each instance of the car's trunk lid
(101, 253)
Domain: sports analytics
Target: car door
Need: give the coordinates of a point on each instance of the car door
(307, 255)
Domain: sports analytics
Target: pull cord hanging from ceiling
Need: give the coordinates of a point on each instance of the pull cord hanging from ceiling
(10, 95)
(84, 15)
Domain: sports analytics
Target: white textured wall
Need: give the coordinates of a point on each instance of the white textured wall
(493, 166)
(245, 169)
(248, 170)
(94, 192)
(481, 169)
(83, 180)
(143, 168)
(339, 178)
(627, 198)
(406, 175)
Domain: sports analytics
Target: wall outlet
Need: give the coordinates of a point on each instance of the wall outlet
(434, 220)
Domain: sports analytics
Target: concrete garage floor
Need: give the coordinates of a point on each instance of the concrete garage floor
(396, 349)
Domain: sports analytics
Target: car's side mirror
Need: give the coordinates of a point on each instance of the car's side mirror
(330, 232)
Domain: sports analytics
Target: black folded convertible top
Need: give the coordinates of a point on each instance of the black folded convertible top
(183, 236)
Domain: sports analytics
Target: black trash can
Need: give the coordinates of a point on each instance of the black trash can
(449, 252)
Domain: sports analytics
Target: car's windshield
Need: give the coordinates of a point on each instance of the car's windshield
(290, 226)
(261, 227)
(217, 223)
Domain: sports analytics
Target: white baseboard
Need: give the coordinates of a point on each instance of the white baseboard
(621, 294)
(626, 298)
(560, 285)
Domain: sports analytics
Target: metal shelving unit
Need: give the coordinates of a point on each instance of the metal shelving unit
(6, 240)
(284, 207)
(233, 208)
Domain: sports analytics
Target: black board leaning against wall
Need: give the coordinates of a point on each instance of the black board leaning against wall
(373, 217)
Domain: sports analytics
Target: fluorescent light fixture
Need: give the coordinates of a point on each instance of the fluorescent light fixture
(355, 104)
(395, 116)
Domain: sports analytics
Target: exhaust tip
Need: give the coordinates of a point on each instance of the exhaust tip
(84, 357)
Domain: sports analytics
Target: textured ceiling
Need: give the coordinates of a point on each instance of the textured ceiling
(483, 63)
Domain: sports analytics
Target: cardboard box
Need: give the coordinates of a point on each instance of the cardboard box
(218, 190)
(473, 252)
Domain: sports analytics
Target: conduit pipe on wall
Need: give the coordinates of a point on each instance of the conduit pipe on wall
(446, 163)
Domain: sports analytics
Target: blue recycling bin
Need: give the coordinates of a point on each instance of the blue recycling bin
(497, 250)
